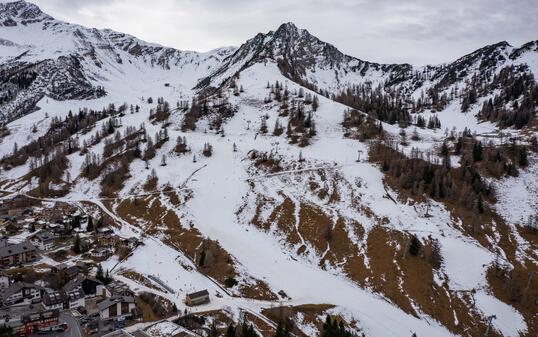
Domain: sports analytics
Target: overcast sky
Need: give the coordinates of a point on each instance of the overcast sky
(412, 31)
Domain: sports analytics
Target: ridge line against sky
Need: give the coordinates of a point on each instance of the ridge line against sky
(385, 31)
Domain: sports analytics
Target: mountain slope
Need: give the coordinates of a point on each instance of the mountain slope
(88, 60)
(263, 178)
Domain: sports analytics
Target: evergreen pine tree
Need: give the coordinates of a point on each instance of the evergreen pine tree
(99, 274)
(89, 226)
(230, 332)
(76, 245)
(414, 247)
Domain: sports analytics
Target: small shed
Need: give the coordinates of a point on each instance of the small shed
(197, 298)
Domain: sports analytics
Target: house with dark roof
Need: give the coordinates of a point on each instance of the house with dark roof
(91, 287)
(72, 271)
(20, 292)
(63, 300)
(20, 253)
(54, 300)
(118, 288)
(117, 307)
(197, 298)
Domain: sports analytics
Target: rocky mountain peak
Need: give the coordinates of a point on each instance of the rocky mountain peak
(12, 13)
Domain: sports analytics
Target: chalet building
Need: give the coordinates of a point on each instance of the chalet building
(197, 298)
(91, 287)
(108, 241)
(62, 300)
(43, 240)
(17, 254)
(20, 292)
(117, 307)
(72, 271)
(54, 300)
(101, 253)
(118, 288)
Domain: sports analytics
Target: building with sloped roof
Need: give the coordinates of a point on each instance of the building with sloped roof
(16, 254)
(20, 292)
(197, 298)
(116, 307)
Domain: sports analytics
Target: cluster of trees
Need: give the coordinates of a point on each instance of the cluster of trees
(237, 90)
(181, 145)
(494, 161)
(269, 161)
(360, 126)
(80, 246)
(244, 330)
(334, 328)
(161, 112)
(118, 143)
(119, 152)
(433, 122)
(208, 253)
(301, 126)
(516, 102)
(208, 150)
(389, 108)
(102, 276)
(463, 186)
(59, 131)
(280, 93)
(217, 108)
(118, 172)
(161, 137)
(298, 107)
(155, 304)
(50, 166)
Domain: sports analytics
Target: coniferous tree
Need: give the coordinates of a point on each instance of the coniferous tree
(230, 332)
(282, 330)
(77, 245)
(477, 151)
(99, 274)
(89, 226)
(414, 246)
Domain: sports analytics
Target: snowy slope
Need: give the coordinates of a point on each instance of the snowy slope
(223, 192)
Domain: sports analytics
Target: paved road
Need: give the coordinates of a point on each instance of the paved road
(74, 327)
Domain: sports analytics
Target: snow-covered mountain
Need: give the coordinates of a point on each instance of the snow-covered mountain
(303, 57)
(402, 199)
(66, 61)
